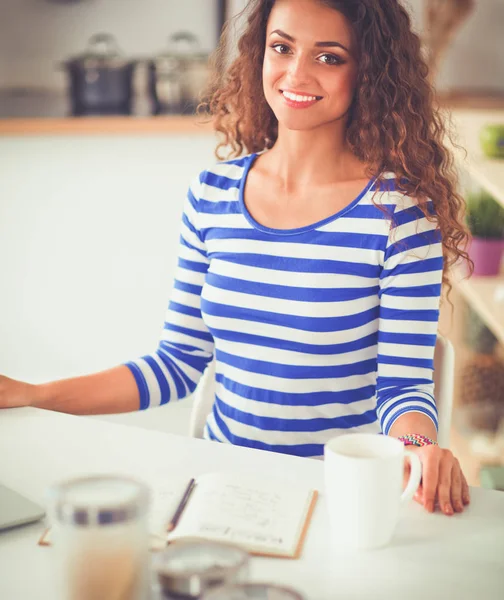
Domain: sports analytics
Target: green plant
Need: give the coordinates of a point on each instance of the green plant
(485, 216)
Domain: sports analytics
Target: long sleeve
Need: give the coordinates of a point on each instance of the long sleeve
(186, 346)
(410, 288)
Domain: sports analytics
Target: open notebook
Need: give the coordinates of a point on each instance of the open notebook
(264, 516)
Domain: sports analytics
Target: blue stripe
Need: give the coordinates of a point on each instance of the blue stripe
(301, 425)
(201, 335)
(192, 265)
(160, 378)
(418, 240)
(296, 371)
(409, 339)
(185, 310)
(421, 291)
(287, 292)
(305, 450)
(220, 207)
(143, 389)
(310, 399)
(425, 266)
(315, 237)
(220, 181)
(399, 314)
(303, 348)
(300, 265)
(321, 324)
(420, 363)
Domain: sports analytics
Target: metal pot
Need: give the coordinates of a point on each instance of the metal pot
(101, 80)
(178, 76)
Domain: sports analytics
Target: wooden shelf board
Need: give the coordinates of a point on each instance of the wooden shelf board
(160, 125)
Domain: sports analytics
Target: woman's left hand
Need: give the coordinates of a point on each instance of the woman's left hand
(443, 482)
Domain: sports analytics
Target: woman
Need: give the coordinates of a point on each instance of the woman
(312, 267)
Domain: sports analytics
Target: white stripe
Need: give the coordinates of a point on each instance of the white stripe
(356, 225)
(188, 276)
(288, 333)
(366, 256)
(416, 227)
(293, 386)
(167, 376)
(186, 321)
(224, 221)
(293, 279)
(405, 371)
(150, 379)
(175, 337)
(215, 194)
(414, 255)
(407, 280)
(290, 438)
(406, 350)
(193, 255)
(301, 412)
(185, 298)
(227, 170)
(191, 238)
(427, 327)
(409, 302)
(290, 357)
(282, 306)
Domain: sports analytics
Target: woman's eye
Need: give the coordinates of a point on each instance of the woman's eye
(331, 59)
(281, 48)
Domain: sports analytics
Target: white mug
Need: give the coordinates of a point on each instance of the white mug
(363, 483)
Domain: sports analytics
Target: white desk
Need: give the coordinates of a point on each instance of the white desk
(432, 556)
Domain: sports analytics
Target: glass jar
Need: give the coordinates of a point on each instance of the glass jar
(100, 538)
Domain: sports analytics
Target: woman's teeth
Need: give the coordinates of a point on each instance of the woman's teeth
(298, 98)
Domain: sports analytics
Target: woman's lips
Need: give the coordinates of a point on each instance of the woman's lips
(297, 100)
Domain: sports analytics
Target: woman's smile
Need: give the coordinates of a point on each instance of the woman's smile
(299, 99)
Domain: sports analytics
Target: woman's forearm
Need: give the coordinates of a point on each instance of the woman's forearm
(413, 422)
(107, 392)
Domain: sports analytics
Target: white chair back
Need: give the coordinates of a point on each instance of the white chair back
(444, 367)
(204, 396)
(444, 376)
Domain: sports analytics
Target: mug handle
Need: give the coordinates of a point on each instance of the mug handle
(414, 478)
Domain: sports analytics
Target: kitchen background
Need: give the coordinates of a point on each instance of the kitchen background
(36, 36)
(89, 214)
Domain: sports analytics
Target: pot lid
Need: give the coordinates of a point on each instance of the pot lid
(103, 49)
(184, 45)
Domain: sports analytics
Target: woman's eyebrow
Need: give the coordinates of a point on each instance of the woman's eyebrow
(317, 44)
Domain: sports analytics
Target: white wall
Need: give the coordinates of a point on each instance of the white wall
(35, 35)
(475, 58)
(89, 231)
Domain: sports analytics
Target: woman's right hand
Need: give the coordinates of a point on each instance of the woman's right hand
(16, 393)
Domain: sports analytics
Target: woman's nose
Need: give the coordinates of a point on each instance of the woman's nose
(299, 71)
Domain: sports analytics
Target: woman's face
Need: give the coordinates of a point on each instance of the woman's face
(310, 64)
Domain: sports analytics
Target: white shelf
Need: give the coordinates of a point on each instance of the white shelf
(489, 173)
(481, 294)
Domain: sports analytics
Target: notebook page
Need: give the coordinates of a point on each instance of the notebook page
(166, 494)
(260, 514)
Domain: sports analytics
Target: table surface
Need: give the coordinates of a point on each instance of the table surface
(431, 556)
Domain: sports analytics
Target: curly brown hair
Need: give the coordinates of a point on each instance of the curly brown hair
(394, 121)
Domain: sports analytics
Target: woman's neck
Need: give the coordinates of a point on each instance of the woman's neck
(302, 159)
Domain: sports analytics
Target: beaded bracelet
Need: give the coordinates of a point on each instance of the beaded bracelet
(415, 439)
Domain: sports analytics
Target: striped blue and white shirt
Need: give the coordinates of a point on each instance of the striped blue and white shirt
(316, 331)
